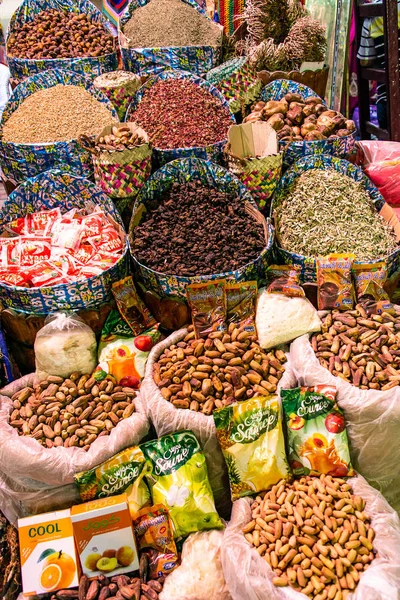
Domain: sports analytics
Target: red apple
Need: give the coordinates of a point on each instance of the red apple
(130, 381)
(144, 343)
(334, 423)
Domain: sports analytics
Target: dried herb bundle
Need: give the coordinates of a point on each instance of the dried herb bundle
(327, 212)
(10, 575)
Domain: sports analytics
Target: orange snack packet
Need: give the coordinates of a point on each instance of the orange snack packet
(241, 304)
(207, 302)
(335, 288)
(284, 279)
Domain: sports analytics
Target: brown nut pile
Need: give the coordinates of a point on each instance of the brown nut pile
(226, 367)
(177, 113)
(121, 138)
(314, 534)
(58, 34)
(295, 119)
(120, 587)
(362, 350)
(70, 412)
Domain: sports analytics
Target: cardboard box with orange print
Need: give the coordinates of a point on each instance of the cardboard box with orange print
(47, 549)
(104, 537)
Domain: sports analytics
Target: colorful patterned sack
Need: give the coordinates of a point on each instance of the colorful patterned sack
(120, 88)
(89, 66)
(237, 81)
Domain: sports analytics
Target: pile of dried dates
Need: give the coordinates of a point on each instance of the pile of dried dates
(120, 587)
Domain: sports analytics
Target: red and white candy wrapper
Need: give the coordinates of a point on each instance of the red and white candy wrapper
(34, 250)
(13, 276)
(9, 252)
(40, 223)
(42, 273)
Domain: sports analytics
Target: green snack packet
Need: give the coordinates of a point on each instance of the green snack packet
(178, 479)
(124, 472)
(251, 438)
(316, 432)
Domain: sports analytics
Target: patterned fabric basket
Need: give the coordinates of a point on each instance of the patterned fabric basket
(214, 176)
(46, 191)
(214, 152)
(119, 94)
(296, 150)
(196, 59)
(237, 81)
(89, 66)
(121, 174)
(20, 161)
(308, 264)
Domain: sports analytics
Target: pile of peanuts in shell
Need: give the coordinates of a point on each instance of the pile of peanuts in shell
(206, 374)
(70, 412)
(314, 534)
(119, 587)
(363, 350)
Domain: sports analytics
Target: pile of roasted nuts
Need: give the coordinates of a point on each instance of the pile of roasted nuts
(363, 350)
(59, 34)
(295, 119)
(120, 138)
(314, 534)
(205, 374)
(70, 412)
(120, 587)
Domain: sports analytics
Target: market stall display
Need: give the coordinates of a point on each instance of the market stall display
(162, 34)
(59, 34)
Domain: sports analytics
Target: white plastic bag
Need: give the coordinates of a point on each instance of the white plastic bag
(372, 419)
(250, 577)
(35, 479)
(65, 344)
(200, 576)
(168, 419)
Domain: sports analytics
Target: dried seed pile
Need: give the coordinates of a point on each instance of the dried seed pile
(327, 212)
(177, 113)
(120, 587)
(362, 350)
(163, 23)
(59, 34)
(56, 114)
(70, 412)
(226, 367)
(314, 534)
(197, 230)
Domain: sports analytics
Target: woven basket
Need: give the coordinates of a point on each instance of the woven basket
(316, 80)
(237, 81)
(119, 94)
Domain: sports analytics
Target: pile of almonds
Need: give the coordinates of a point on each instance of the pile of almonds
(120, 138)
(70, 412)
(363, 350)
(314, 534)
(120, 587)
(204, 375)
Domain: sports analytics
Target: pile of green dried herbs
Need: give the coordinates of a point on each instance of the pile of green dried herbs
(325, 212)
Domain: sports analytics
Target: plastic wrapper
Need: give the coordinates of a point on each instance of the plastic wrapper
(249, 576)
(381, 162)
(200, 576)
(372, 421)
(65, 345)
(335, 288)
(34, 479)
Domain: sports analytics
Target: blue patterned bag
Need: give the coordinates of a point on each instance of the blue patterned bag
(90, 66)
(20, 161)
(212, 175)
(49, 190)
(196, 59)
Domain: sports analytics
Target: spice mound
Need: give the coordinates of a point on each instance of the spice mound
(58, 34)
(316, 535)
(360, 349)
(205, 374)
(326, 212)
(70, 412)
(56, 114)
(177, 113)
(170, 240)
(163, 23)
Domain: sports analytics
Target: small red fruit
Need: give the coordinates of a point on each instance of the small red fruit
(339, 471)
(130, 381)
(144, 343)
(334, 423)
(295, 464)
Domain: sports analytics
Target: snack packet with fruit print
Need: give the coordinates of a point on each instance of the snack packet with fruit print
(316, 432)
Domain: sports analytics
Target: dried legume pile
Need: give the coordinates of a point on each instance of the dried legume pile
(56, 114)
(58, 34)
(326, 212)
(177, 113)
(170, 23)
(197, 230)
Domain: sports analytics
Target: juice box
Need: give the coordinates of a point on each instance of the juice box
(47, 550)
(104, 536)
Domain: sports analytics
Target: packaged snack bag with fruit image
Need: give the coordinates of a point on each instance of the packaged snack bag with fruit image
(48, 559)
(178, 479)
(316, 432)
(251, 438)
